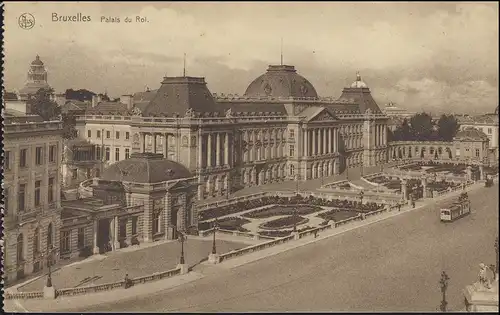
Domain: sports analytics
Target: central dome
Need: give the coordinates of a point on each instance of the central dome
(281, 81)
(145, 168)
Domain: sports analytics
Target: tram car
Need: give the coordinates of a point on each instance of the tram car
(456, 210)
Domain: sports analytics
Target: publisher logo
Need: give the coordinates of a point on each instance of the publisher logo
(26, 21)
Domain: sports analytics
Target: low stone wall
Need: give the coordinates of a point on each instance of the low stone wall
(254, 248)
(235, 233)
(95, 288)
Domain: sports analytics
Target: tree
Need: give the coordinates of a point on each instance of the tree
(83, 95)
(447, 127)
(42, 105)
(421, 126)
(403, 132)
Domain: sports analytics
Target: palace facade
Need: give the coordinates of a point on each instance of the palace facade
(279, 130)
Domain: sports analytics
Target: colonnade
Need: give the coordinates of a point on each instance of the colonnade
(320, 141)
(264, 144)
(221, 154)
(380, 135)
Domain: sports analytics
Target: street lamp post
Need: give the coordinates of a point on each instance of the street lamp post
(444, 286)
(361, 168)
(182, 239)
(361, 194)
(49, 258)
(216, 225)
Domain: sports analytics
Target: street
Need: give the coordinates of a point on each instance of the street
(394, 265)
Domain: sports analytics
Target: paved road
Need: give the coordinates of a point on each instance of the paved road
(394, 265)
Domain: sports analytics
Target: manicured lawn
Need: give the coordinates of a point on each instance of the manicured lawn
(337, 215)
(285, 222)
(281, 210)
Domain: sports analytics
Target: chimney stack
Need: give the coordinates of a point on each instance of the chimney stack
(127, 100)
(95, 100)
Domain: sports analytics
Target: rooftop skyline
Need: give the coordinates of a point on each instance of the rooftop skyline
(422, 56)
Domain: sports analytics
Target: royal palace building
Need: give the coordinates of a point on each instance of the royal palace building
(279, 130)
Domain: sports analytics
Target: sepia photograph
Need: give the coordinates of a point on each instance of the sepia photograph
(223, 157)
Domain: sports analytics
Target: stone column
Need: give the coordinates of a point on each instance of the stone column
(116, 232)
(325, 142)
(481, 171)
(331, 140)
(217, 150)
(335, 139)
(226, 149)
(96, 230)
(306, 143)
(424, 187)
(314, 143)
(200, 150)
(209, 150)
(165, 146)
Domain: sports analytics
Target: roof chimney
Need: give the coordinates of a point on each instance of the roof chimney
(95, 100)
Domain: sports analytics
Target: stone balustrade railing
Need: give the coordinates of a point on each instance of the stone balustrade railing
(95, 288)
(254, 248)
(235, 233)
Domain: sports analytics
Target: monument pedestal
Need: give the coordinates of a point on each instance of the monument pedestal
(478, 299)
(213, 258)
(184, 268)
(49, 292)
(296, 235)
(96, 250)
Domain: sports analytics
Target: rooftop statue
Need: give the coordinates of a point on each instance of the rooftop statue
(485, 278)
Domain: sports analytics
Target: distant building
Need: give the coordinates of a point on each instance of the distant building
(36, 79)
(392, 110)
(488, 124)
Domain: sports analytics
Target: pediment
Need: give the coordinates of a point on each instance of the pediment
(323, 115)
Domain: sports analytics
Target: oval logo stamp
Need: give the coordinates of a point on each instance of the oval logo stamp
(26, 21)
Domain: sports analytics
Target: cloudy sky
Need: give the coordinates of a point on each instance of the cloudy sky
(431, 56)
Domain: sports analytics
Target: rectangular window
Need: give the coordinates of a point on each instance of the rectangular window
(117, 135)
(65, 241)
(74, 173)
(477, 152)
(81, 237)
(292, 133)
(292, 150)
(127, 153)
(98, 134)
(52, 153)
(98, 153)
(50, 190)
(23, 158)
(89, 133)
(134, 225)
(156, 222)
(108, 154)
(127, 135)
(108, 134)
(6, 161)
(38, 155)
(21, 195)
(37, 193)
(117, 154)
(489, 131)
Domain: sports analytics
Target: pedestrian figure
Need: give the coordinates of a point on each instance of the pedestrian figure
(413, 203)
(315, 234)
(399, 208)
(127, 283)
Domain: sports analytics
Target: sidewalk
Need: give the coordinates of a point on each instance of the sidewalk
(81, 301)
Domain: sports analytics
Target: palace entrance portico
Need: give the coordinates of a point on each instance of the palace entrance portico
(114, 228)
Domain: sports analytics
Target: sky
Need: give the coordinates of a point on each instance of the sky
(436, 57)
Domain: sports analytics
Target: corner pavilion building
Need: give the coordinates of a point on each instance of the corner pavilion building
(279, 130)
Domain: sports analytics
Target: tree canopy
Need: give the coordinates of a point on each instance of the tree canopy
(421, 127)
(83, 95)
(41, 104)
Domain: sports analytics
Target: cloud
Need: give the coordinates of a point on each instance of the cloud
(402, 49)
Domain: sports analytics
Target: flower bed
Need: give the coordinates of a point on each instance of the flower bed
(230, 223)
(336, 215)
(441, 186)
(283, 223)
(281, 210)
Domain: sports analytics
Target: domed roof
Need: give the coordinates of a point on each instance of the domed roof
(37, 61)
(281, 81)
(471, 133)
(358, 83)
(145, 168)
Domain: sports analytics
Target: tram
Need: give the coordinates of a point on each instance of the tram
(456, 210)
